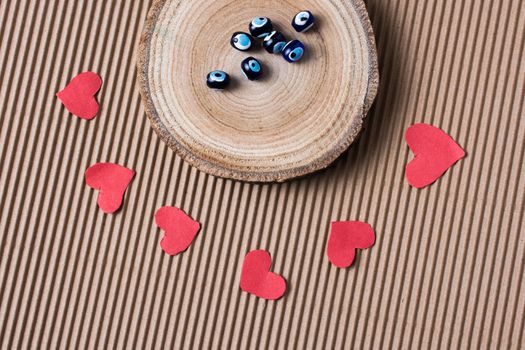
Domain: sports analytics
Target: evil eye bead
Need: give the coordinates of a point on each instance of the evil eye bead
(251, 68)
(293, 51)
(260, 27)
(241, 41)
(303, 21)
(218, 80)
(274, 43)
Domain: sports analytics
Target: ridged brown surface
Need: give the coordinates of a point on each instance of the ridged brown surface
(447, 268)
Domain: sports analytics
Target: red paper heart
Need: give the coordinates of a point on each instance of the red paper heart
(434, 153)
(257, 279)
(112, 180)
(345, 237)
(79, 95)
(179, 228)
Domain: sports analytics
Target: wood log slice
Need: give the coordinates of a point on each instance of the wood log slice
(297, 119)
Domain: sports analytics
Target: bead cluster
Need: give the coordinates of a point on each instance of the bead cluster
(274, 42)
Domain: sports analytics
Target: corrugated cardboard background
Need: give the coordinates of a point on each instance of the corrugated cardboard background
(447, 268)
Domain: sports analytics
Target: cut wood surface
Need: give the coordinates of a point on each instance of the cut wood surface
(297, 119)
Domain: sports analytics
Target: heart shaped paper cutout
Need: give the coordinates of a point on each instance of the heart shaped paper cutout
(79, 95)
(257, 279)
(345, 238)
(111, 180)
(179, 229)
(434, 153)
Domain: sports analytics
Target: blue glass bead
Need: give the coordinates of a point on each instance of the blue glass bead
(275, 42)
(252, 68)
(293, 51)
(241, 41)
(260, 27)
(218, 79)
(303, 21)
